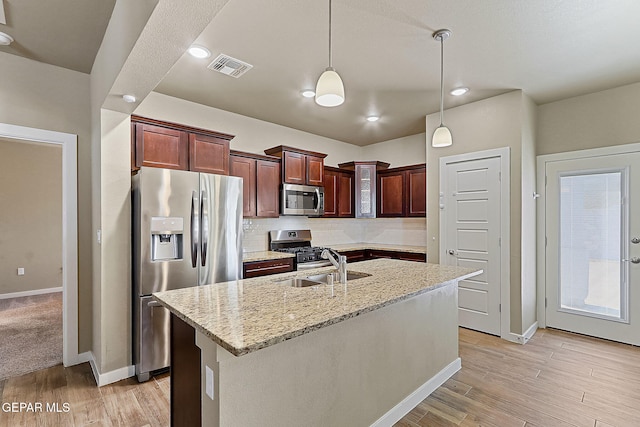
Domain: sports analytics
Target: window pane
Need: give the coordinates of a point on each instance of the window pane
(590, 233)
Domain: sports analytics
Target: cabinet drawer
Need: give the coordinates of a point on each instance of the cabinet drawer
(264, 268)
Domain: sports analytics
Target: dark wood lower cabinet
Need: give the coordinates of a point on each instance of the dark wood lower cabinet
(264, 268)
(367, 254)
(185, 393)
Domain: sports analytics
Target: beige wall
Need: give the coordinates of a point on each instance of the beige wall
(491, 123)
(43, 96)
(600, 119)
(409, 150)
(31, 215)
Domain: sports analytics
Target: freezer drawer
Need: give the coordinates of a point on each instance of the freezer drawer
(152, 346)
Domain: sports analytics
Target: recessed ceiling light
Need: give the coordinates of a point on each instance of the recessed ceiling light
(199, 52)
(459, 91)
(308, 93)
(129, 98)
(373, 118)
(5, 39)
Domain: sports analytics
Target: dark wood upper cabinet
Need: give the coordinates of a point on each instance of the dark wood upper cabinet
(267, 188)
(330, 193)
(173, 146)
(315, 170)
(299, 166)
(261, 183)
(245, 168)
(417, 192)
(338, 192)
(364, 186)
(160, 147)
(390, 193)
(294, 168)
(402, 192)
(208, 154)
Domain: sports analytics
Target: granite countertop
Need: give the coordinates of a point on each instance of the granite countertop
(265, 256)
(247, 315)
(380, 246)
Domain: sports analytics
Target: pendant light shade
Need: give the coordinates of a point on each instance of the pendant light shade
(329, 89)
(442, 134)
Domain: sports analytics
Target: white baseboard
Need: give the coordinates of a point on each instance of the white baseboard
(111, 376)
(522, 339)
(87, 356)
(408, 403)
(30, 293)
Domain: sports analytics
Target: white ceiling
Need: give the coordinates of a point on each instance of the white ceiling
(383, 49)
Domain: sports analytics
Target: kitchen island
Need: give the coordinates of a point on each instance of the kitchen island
(364, 353)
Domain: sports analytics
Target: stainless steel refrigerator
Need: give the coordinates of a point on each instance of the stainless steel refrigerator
(187, 231)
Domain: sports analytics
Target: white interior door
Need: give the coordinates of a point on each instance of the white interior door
(593, 246)
(472, 204)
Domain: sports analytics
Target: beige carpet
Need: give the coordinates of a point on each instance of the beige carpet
(30, 334)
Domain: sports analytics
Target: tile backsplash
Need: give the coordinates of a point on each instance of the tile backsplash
(334, 231)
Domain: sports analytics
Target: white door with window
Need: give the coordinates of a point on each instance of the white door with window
(592, 254)
(470, 213)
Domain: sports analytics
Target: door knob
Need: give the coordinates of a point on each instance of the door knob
(635, 240)
(635, 260)
(451, 252)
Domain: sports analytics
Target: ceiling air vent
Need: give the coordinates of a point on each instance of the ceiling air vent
(230, 66)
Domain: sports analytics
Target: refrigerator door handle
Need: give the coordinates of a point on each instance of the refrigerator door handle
(204, 211)
(195, 228)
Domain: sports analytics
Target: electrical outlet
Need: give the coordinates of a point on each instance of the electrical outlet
(20, 271)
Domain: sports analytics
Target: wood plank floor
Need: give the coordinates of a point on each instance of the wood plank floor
(557, 379)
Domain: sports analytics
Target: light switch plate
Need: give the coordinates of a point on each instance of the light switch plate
(20, 271)
(209, 385)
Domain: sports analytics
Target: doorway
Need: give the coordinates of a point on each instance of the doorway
(592, 233)
(68, 142)
(474, 227)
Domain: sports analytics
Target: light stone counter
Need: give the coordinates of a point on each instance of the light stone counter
(265, 256)
(380, 246)
(248, 315)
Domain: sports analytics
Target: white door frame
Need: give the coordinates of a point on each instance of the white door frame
(541, 210)
(69, 229)
(505, 234)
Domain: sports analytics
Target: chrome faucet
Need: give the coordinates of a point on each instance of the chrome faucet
(338, 261)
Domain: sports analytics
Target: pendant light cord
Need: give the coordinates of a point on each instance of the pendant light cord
(441, 77)
(330, 56)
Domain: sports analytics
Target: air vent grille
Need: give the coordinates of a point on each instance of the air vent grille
(230, 66)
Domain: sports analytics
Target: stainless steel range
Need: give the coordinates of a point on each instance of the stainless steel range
(298, 242)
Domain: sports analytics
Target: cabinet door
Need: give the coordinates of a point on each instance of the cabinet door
(331, 192)
(315, 170)
(246, 169)
(390, 190)
(294, 167)
(208, 154)
(161, 147)
(267, 188)
(345, 195)
(416, 197)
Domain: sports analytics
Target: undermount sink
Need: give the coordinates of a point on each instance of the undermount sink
(320, 279)
(300, 282)
(351, 275)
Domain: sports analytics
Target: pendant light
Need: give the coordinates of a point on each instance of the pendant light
(329, 89)
(442, 135)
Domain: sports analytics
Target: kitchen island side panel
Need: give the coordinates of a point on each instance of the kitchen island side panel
(350, 373)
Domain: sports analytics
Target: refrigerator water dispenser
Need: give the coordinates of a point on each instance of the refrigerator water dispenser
(166, 238)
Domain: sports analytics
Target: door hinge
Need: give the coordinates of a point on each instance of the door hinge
(545, 180)
(545, 241)
(499, 176)
(545, 302)
(499, 308)
(499, 241)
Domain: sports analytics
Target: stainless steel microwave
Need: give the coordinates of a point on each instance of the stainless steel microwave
(302, 200)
